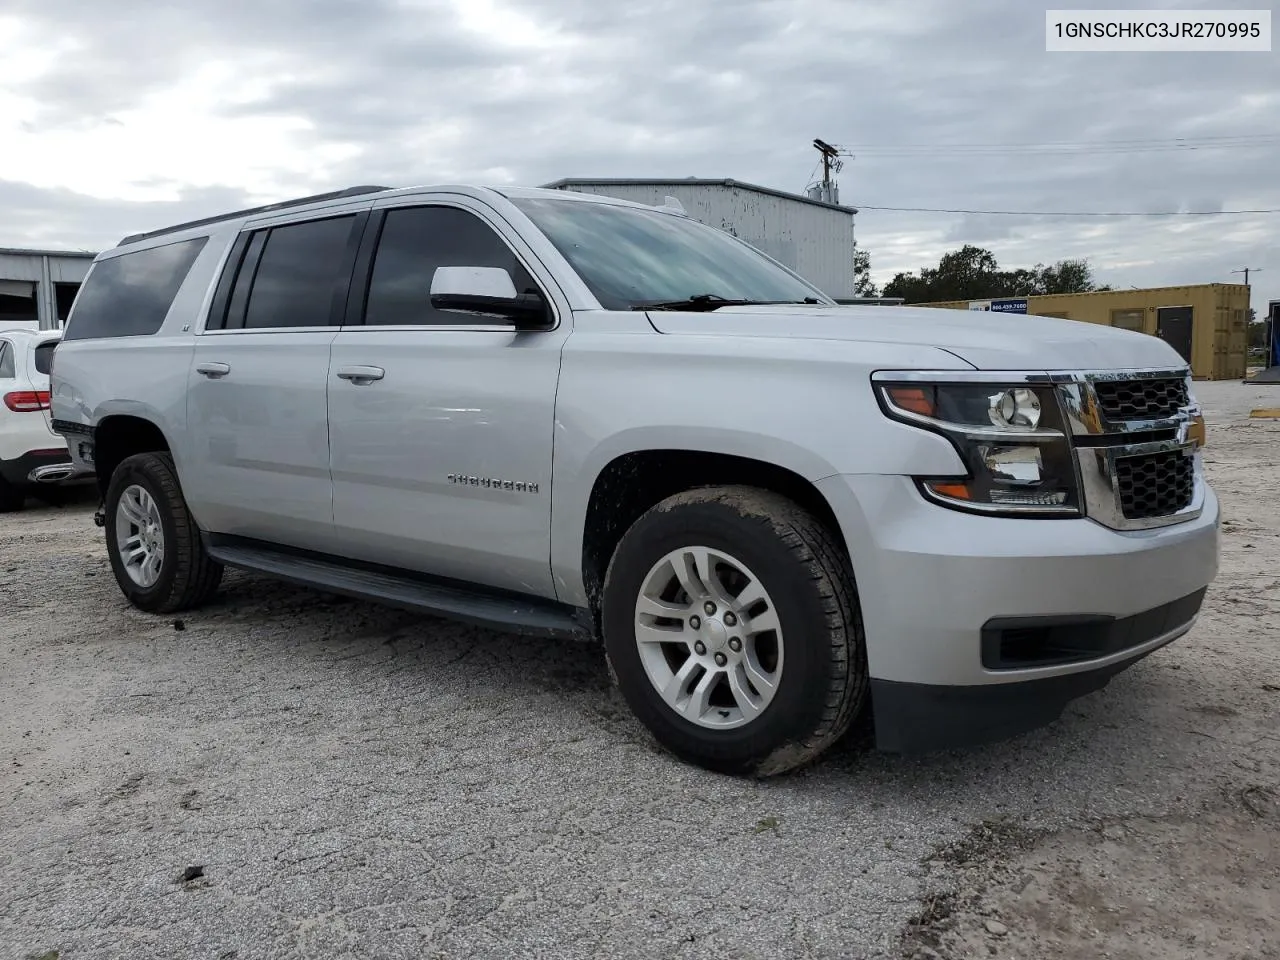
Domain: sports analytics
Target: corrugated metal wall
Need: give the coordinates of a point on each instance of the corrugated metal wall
(814, 241)
(44, 269)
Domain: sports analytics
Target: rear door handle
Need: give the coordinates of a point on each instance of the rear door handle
(361, 374)
(213, 370)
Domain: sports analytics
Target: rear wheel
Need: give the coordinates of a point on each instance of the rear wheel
(156, 552)
(731, 625)
(11, 498)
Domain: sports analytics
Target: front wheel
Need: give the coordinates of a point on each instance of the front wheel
(731, 625)
(156, 552)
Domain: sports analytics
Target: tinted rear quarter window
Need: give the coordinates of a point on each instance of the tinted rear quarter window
(129, 295)
(8, 367)
(44, 357)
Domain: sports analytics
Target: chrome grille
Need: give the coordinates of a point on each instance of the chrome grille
(1123, 400)
(1154, 485)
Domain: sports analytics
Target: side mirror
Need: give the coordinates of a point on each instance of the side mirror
(486, 292)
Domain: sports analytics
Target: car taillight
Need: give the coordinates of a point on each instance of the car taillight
(27, 401)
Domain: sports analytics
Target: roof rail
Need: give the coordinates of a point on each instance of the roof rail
(282, 205)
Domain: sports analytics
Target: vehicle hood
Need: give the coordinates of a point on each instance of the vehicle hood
(988, 341)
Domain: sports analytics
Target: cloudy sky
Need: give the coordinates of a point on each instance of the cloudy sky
(128, 115)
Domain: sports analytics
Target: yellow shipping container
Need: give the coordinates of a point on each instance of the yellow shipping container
(1207, 323)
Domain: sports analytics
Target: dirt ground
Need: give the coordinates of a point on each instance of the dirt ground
(286, 775)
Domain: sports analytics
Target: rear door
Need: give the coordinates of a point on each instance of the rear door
(259, 377)
(442, 462)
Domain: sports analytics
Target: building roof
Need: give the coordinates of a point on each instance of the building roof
(693, 182)
(20, 252)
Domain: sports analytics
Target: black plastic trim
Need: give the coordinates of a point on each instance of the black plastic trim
(455, 600)
(217, 319)
(362, 269)
(355, 246)
(359, 191)
(65, 427)
(237, 307)
(922, 718)
(1074, 639)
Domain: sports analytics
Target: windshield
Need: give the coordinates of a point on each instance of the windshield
(630, 257)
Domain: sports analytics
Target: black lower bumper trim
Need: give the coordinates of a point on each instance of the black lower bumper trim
(1009, 643)
(16, 471)
(920, 718)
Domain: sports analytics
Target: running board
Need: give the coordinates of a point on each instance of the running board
(511, 613)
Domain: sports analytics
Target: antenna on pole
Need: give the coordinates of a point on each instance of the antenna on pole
(828, 191)
(1245, 271)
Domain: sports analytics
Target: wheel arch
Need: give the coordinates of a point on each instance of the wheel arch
(632, 482)
(118, 436)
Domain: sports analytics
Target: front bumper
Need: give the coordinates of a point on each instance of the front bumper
(944, 597)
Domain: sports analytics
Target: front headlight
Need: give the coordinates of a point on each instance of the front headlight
(1011, 438)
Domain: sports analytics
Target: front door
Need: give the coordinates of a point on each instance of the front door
(1173, 326)
(259, 441)
(441, 426)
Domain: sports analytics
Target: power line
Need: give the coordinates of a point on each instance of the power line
(1205, 138)
(1069, 147)
(1069, 213)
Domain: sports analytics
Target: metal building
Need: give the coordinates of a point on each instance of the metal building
(37, 287)
(1207, 323)
(812, 237)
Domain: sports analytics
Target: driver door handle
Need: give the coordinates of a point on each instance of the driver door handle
(361, 374)
(213, 370)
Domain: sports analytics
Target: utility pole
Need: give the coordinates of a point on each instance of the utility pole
(830, 164)
(1245, 271)
(829, 154)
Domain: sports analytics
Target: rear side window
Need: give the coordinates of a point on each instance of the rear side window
(44, 357)
(292, 275)
(129, 295)
(8, 367)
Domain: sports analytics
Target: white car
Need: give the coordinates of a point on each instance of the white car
(31, 454)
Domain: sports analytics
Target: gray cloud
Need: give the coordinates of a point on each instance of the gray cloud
(667, 88)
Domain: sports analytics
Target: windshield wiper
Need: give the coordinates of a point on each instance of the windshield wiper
(712, 301)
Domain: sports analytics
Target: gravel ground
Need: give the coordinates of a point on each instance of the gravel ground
(353, 781)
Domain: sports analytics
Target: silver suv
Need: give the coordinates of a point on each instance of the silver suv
(567, 415)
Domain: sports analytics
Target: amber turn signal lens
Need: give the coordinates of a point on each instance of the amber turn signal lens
(1196, 431)
(956, 491)
(912, 399)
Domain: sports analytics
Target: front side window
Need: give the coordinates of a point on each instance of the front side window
(413, 243)
(130, 295)
(302, 266)
(631, 257)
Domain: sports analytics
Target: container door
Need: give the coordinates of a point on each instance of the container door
(1173, 326)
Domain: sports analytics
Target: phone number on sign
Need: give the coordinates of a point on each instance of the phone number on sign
(1199, 30)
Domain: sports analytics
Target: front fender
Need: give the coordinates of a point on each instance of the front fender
(806, 406)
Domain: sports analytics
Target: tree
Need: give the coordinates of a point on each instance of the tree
(862, 285)
(972, 273)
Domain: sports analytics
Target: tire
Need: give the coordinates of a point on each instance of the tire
(819, 681)
(185, 576)
(12, 499)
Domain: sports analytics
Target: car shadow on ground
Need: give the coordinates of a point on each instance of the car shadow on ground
(1136, 739)
(1104, 743)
